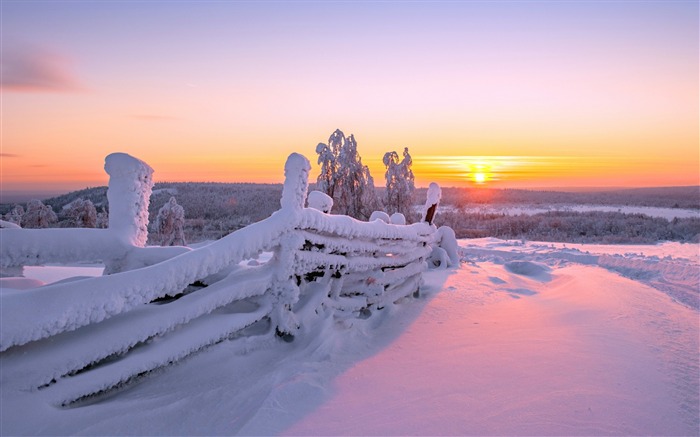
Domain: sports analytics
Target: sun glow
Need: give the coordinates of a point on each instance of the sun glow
(479, 178)
(480, 170)
(548, 171)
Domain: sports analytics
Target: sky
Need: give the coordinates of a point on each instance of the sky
(483, 93)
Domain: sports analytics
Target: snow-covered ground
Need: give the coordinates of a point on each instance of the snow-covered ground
(524, 339)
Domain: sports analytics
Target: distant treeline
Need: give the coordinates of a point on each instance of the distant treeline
(573, 227)
(663, 197)
(213, 210)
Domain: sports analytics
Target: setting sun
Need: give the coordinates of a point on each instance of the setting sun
(479, 178)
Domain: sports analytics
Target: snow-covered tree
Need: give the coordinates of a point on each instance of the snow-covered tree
(169, 224)
(400, 183)
(39, 215)
(82, 213)
(16, 215)
(328, 159)
(344, 178)
(102, 219)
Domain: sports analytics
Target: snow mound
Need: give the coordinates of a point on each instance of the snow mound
(530, 269)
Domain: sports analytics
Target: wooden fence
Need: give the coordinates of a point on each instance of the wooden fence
(75, 339)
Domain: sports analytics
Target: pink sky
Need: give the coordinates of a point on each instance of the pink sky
(542, 93)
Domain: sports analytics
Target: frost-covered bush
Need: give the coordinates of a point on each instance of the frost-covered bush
(400, 183)
(15, 216)
(102, 220)
(39, 215)
(169, 224)
(81, 213)
(344, 178)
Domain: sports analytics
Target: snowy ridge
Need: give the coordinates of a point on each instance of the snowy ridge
(74, 339)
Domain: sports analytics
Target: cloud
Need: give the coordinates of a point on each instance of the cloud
(8, 155)
(33, 69)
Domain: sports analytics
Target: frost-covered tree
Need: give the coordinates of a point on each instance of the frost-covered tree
(328, 159)
(400, 183)
(102, 219)
(82, 213)
(169, 224)
(344, 178)
(16, 215)
(39, 215)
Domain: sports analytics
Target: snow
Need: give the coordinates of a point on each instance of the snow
(524, 338)
(320, 201)
(48, 274)
(8, 225)
(380, 215)
(42, 246)
(398, 219)
(296, 182)
(431, 202)
(128, 194)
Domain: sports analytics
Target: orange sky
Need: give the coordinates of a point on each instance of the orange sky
(507, 94)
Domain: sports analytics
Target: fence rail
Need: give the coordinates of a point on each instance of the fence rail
(72, 340)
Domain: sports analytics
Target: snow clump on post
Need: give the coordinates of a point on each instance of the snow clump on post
(129, 193)
(320, 201)
(398, 219)
(380, 215)
(432, 202)
(296, 182)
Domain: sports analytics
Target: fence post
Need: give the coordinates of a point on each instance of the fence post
(285, 287)
(129, 193)
(296, 182)
(431, 202)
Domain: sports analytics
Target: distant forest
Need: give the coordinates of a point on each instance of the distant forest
(212, 210)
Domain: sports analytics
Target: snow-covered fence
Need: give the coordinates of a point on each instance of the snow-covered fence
(79, 338)
(128, 194)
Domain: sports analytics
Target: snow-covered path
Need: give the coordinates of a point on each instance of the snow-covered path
(523, 339)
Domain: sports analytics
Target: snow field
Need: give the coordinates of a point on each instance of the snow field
(518, 346)
(522, 339)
